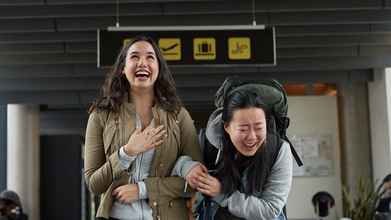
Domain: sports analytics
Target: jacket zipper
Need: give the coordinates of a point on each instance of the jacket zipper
(138, 179)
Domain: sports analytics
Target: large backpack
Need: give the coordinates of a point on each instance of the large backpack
(273, 95)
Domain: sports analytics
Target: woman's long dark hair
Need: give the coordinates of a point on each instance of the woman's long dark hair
(233, 163)
(116, 86)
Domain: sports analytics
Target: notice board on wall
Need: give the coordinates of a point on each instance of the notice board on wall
(316, 151)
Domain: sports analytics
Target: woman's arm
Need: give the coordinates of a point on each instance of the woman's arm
(272, 200)
(174, 186)
(98, 172)
(189, 138)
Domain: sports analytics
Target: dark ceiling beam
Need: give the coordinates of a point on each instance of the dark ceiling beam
(83, 2)
(283, 64)
(183, 82)
(87, 47)
(36, 97)
(68, 11)
(54, 54)
(332, 41)
(287, 24)
(41, 71)
(279, 19)
(302, 64)
(43, 48)
(331, 17)
(245, 6)
(86, 41)
(127, 8)
(374, 50)
(328, 30)
(281, 31)
(57, 49)
(51, 84)
(59, 71)
(298, 5)
(21, 2)
(343, 51)
(188, 94)
(308, 5)
(63, 58)
(25, 26)
(86, 24)
(56, 37)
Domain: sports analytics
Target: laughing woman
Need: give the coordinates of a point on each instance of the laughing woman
(253, 176)
(136, 131)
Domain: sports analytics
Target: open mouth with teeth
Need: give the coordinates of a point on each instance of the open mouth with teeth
(251, 145)
(142, 74)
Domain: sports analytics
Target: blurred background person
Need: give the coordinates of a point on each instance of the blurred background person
(10, 206)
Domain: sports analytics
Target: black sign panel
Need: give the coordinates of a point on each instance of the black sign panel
(213, 45)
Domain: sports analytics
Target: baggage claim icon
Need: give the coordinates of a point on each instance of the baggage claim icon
(204, 49)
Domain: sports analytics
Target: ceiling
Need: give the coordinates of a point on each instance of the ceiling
(48, 47)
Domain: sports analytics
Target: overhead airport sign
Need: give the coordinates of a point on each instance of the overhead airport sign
(196, 45)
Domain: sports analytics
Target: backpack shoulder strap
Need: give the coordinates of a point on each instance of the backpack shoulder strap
(209, 153)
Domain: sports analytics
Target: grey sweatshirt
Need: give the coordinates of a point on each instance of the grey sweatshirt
(269, 204)
(139, 169)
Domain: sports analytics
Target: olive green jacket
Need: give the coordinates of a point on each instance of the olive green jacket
(107, 132)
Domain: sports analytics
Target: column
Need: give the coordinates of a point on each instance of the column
(3, 147)
(23, 156)
(379, 91)
(355, 133)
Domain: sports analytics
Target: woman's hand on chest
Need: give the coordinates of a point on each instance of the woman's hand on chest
(141, 141)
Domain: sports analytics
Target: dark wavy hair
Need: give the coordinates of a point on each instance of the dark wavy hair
(233, 163)
(116, 86)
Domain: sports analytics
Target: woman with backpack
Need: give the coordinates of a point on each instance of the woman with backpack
(136, 131)
(252, 172)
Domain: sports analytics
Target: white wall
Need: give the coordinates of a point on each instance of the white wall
(315, 115)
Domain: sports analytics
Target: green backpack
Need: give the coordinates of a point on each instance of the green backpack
(275, 98)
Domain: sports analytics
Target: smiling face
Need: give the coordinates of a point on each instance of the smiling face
(247, 130)
(141, 65)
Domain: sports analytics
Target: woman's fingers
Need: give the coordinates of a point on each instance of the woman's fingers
(155, 144)
(149, 128)
(154, 133)
(204, 180)
(159, 136)
(203, 185)
(203, 175)
(117, 191)
(204, 191)
(151, 131)
(204, 169)
(158, 129)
